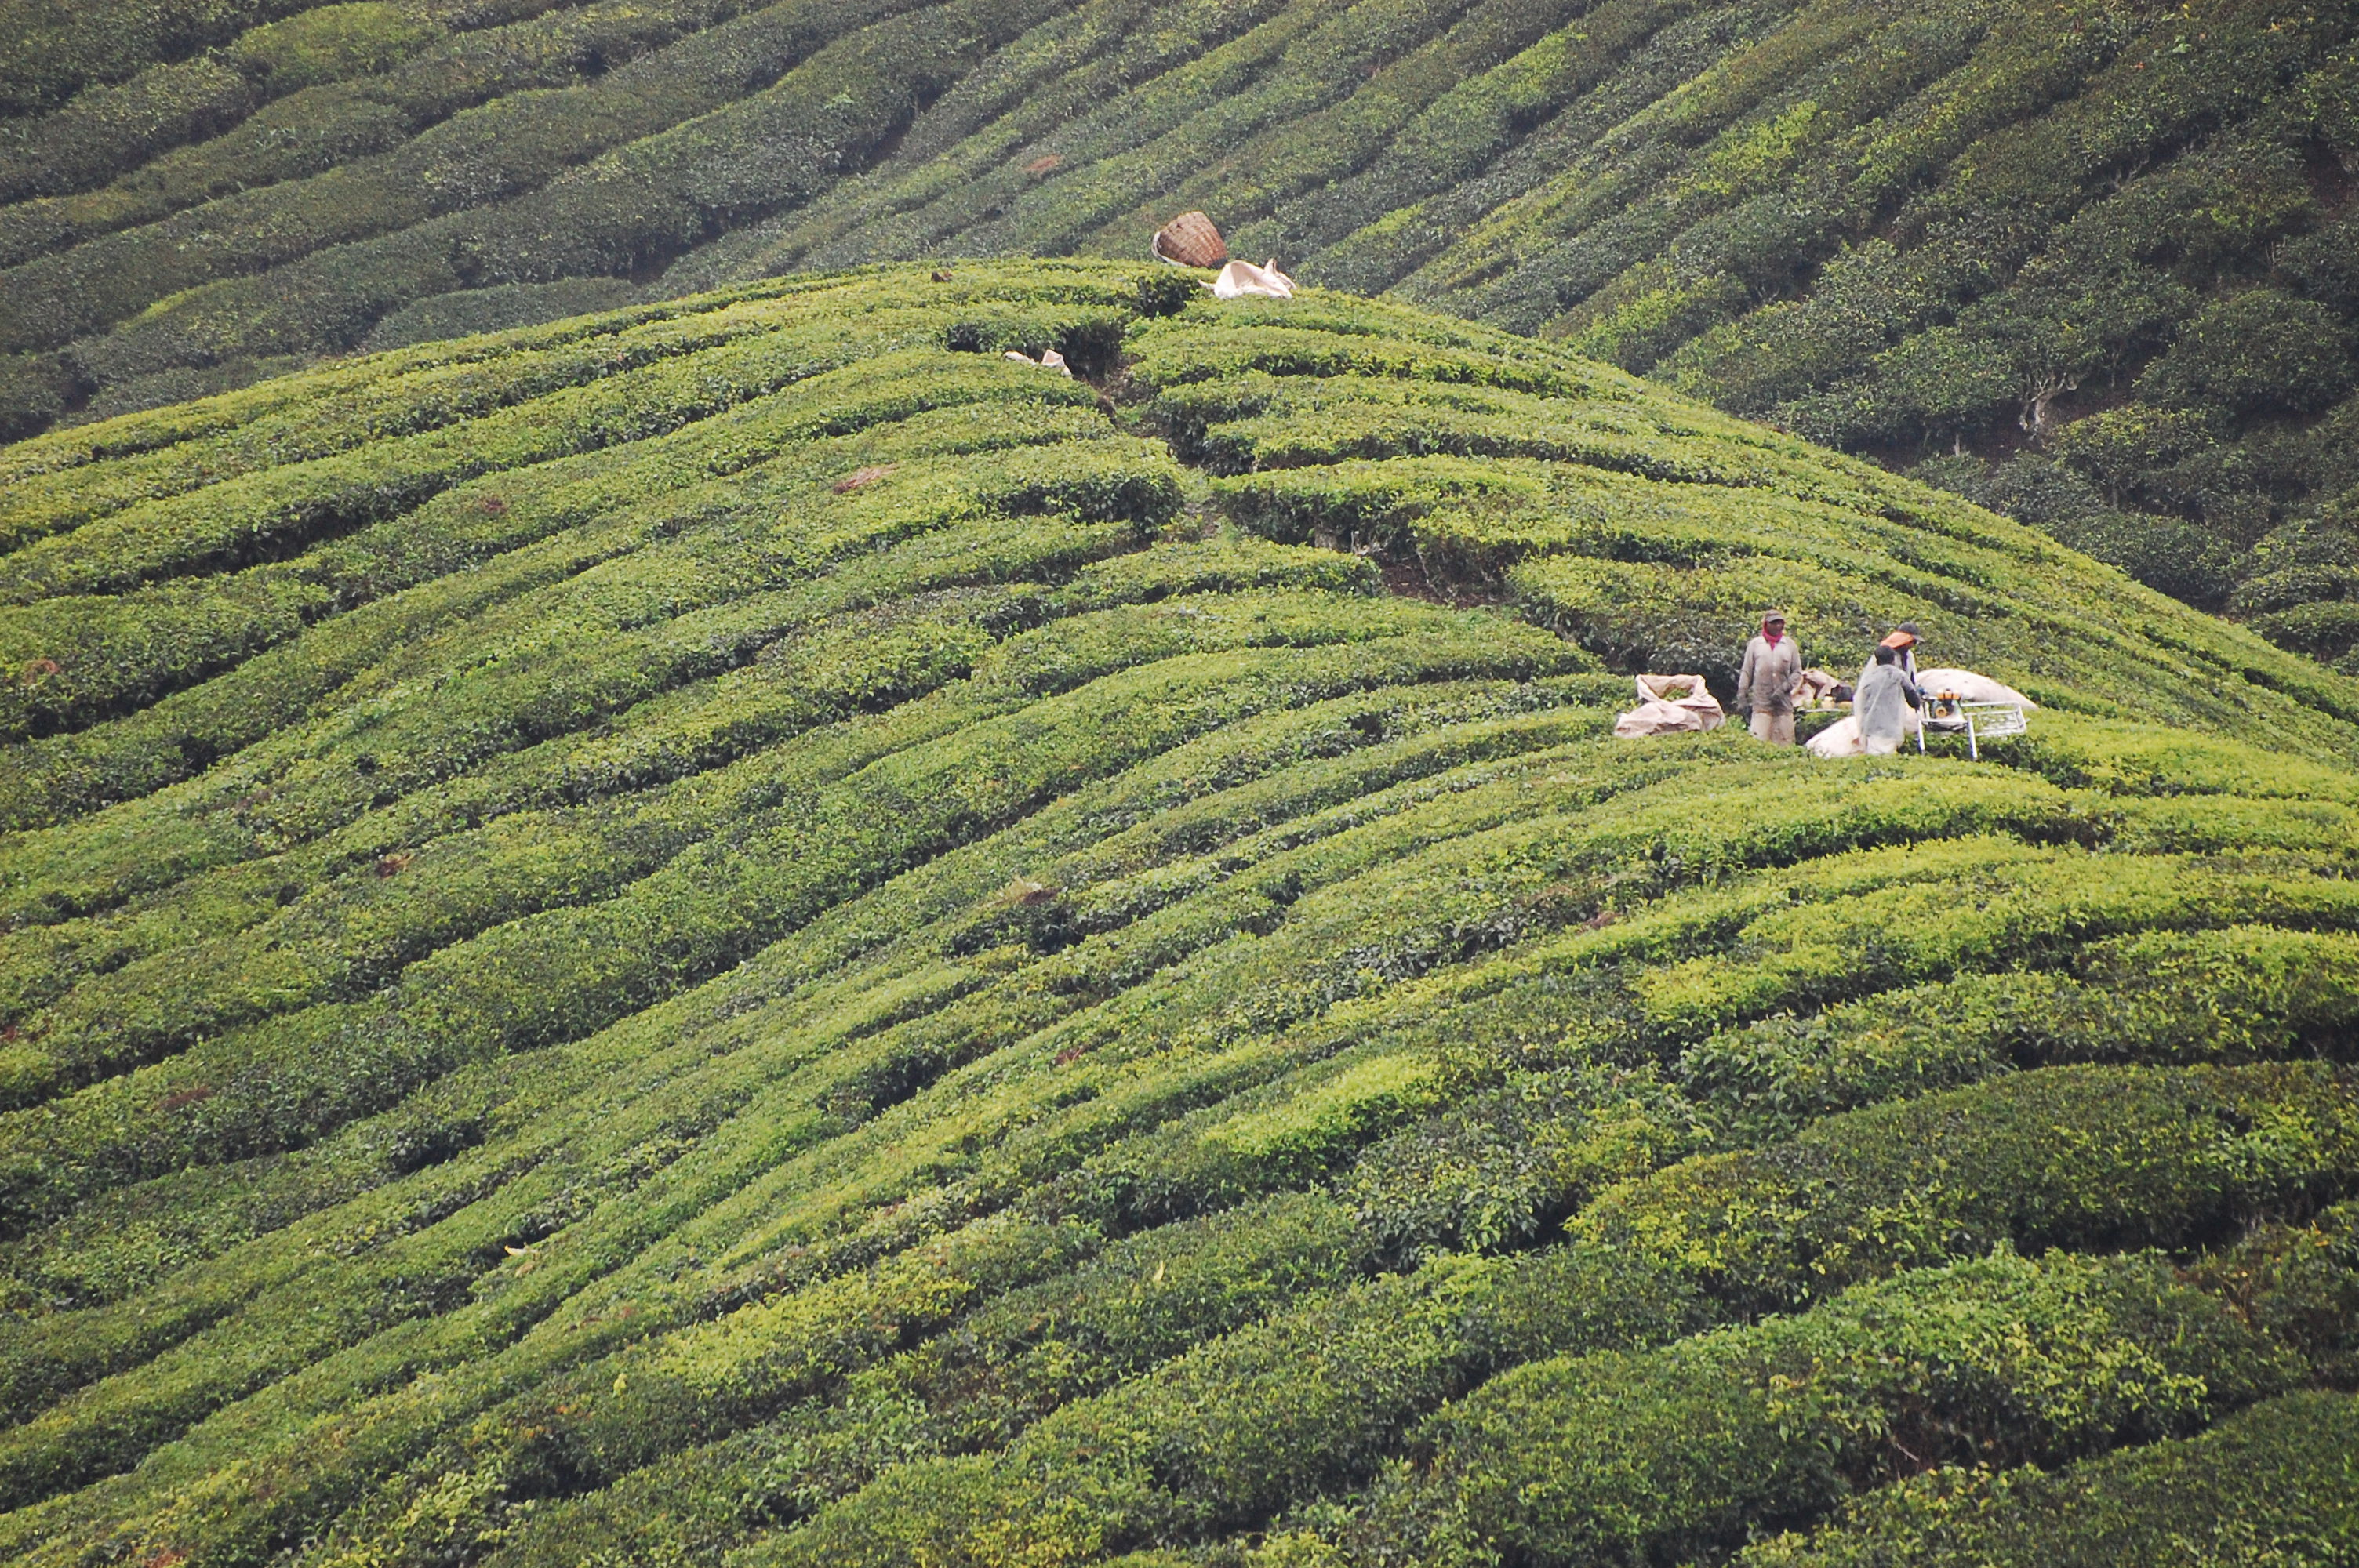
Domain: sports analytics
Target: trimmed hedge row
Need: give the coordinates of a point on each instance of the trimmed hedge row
(516, 143)
(1099, 79)
(798, 1250)
(2274, 1481)
(266, 513)
(1838, 1202)
(109, 130)
(647, 198)
(1301, 59)
(2236, 992)
(713, 906)
(357, 931)
(59, 52)
(457, 1113)
(1230, 1435)
(65, 480)
(290, 101)
(1144, 1299)
(1920, 234)
(125, 651)
(1674, 1452)
(270, 1342)
(564, 520)
(1647, 574)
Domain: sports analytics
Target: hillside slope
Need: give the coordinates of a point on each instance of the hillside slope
(2094, 257)
(747, 931)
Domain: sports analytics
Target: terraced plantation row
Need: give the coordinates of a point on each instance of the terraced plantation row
(746, 932)
(2087, 262)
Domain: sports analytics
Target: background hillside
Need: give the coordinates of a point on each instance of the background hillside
(2090, 262)
(744, 932)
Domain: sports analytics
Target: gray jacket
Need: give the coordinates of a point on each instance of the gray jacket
(1882, 702)
(1766, 684)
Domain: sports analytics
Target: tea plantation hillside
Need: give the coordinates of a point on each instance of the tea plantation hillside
(2090, 259)
(748, 932)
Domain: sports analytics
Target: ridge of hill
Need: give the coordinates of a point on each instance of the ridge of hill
(2089, 262)
(747, 931)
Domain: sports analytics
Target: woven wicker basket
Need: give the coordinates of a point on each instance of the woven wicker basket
(1190, 240)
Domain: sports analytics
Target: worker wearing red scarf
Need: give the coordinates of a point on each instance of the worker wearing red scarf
(1764, 687)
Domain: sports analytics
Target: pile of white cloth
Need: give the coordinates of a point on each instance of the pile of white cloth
(1670, 704)
(1050, 360)
(1968, 687)
(1243, 280)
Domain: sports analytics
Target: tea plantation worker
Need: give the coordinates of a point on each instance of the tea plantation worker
(1882, 702)
(1902, 643)
(1773, 667)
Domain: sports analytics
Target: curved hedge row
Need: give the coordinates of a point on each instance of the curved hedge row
(1999, 1361)
(2275, 1480)
(750, 931)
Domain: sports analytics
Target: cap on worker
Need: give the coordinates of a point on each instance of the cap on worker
(1773, 616)
(1904, 638)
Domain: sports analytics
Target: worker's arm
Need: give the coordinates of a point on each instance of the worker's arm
(1745, 679)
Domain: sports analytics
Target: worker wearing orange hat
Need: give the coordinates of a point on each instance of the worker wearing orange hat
(1766, 682)
(1902, 643)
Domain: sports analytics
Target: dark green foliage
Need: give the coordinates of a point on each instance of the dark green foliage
(2274, 1483)
(2229, 994)
(1847, 1198)
(496, 309)
(1288, 1410)
(1666, 1454)
(744, 931)
(2258, 351)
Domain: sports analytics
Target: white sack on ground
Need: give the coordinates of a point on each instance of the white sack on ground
(1050, 360)
(1840, 739)
(1970, 686)
(1670, 704)
(1239, 280)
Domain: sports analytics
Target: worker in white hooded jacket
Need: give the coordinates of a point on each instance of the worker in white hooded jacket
(1886, 698)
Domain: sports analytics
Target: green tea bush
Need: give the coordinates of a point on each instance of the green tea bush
(1232, 1433)
(2274, 1480)
(510, 144)
(451, 1119)
(1669, 1452)
(379, 80)
(2177, 1143)
(470, 312)
(743, 929)
(103, 131)
(111, 662)
(2256, 351)
(1142, 1300)
(62, 52)
(708, 908)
